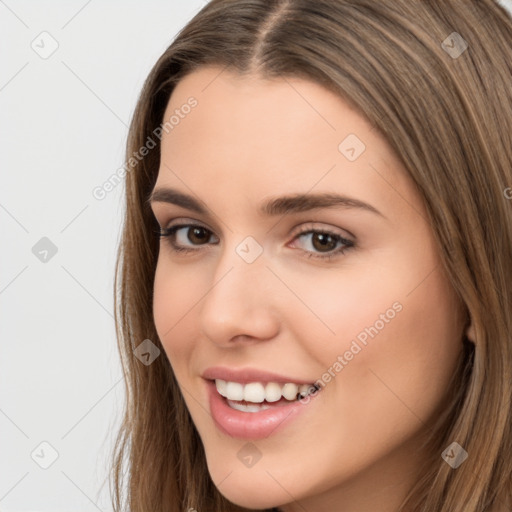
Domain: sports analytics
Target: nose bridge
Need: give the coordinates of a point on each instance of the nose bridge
(241, 270)
(238, 301)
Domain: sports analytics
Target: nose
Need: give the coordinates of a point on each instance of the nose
(241, 304)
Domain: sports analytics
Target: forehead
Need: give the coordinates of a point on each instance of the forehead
(301, 106)
(264, 136)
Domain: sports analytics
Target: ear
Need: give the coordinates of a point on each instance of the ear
(470, 332)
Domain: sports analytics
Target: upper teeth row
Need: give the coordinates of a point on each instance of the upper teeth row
(257, 392)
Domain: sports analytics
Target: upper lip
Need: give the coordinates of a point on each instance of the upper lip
(246, 375)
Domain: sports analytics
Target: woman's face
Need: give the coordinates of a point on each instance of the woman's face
(346, 292)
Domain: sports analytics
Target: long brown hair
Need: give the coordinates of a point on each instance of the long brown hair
(435, 78)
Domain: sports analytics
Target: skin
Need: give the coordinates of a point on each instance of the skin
(249, 139)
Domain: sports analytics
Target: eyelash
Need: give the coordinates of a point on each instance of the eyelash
(169, 233)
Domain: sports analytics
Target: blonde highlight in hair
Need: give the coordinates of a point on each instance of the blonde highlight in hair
(449, 120)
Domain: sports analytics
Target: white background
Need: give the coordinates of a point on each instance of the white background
(63, 126)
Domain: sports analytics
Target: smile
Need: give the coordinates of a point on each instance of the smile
(255, 410)
(256, 396)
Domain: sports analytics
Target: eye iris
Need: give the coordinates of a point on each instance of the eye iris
(197, 232)
(326, 241)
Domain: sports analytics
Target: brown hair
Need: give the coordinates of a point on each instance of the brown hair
(449, 119)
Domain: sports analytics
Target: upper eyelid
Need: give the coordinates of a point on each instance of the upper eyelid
(190, 220)
(185, 223)
(304, 230)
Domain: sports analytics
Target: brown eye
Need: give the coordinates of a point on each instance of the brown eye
(323, 241)
(183, 237)
(198, 234)
(323, 244)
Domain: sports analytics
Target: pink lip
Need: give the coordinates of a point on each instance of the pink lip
(246, 375)
(252, 425)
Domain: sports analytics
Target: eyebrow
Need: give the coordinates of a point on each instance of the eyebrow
(294, 203)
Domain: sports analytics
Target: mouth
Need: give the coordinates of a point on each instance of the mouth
(259, 409)
(253, 397)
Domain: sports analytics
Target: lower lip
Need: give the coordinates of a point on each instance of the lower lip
(252, 425)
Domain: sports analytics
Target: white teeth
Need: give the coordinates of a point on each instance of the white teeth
(248, 408)
(258, 393)
(290, 391)
(221, 386)
(234, 391)
(304, 389)
(254, 392)
(272, 392)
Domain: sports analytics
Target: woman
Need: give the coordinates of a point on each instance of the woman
(317, 251)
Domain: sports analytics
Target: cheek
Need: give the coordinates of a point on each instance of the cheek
(333, 308)
(176, 292)
(387, 340)
(403, 369)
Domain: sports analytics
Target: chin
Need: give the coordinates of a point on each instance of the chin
(250, 488)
